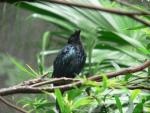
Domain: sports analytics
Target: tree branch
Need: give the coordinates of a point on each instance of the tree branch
(58, 81)
(139, 87)
(12, 105)
(30, 89)
(147, 23)
(124, 71)
(131, 6)
(114, 11)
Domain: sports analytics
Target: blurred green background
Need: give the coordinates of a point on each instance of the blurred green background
(32, 33)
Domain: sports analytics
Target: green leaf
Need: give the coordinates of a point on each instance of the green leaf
(73, 93)
(134, 94)
(119, 105)
(33, 71)
(81, 102)
(20, 66)
(45, 40)
(45, 53)
(127, 77)
(138, 108)
(91, 83)
(136, 27)
(104, 83)
(144, 51)
(40, 57)
(40, 64)
(60, 100)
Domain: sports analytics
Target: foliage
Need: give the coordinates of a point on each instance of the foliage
(8, 66)
(112, 42)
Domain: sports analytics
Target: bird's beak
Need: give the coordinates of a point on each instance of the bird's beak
(77, 34)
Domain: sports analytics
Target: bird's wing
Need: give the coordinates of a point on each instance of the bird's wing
(66, 55)
(64, 59)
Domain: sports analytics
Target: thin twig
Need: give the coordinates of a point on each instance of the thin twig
(124, 71)
(34, 81)
(12, 105)
(88, 6)
(131, 6)
(147, 23)
(139, 87)
(147, 77)
(54, 81)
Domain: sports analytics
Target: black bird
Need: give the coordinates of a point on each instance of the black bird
(71, 59)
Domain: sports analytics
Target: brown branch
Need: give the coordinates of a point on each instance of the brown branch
(125, 3)
(12, 105)
(114, 11)
(29, 89)
(147, 23)
(135, 17)
(138, 87)
(58, 81)
(124, 71)
(131, 81)
(34, 81)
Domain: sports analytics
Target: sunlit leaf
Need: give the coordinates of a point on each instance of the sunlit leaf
(135, 93)
(60, 100)
(81, 102)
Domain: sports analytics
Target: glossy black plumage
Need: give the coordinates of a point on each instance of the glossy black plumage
(71, 59)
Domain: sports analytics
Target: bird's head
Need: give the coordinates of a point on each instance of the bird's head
(75, 38)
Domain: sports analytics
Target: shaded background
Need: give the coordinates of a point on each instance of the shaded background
(20, 37)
